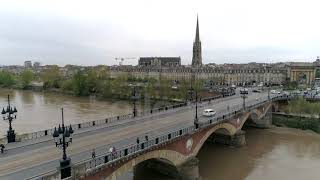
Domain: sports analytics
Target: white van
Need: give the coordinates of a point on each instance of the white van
(209, 112)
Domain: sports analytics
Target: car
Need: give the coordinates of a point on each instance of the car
(209, 112)
(273, 92)
(256, 90)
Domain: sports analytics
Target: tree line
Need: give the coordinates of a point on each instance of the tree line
(99, 82)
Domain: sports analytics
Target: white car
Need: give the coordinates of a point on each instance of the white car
(209, 112)
(273, 92)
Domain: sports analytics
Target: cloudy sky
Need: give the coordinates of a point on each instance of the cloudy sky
(90, 32)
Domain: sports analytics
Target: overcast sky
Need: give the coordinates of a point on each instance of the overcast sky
(91, 32)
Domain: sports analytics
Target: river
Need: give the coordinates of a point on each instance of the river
(277, 153)
(38, 111)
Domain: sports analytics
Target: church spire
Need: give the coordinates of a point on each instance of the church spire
(197, 39)
(197, 55)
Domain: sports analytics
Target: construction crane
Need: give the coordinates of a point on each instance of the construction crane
(121, 59)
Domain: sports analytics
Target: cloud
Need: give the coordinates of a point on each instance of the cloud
(94, 32)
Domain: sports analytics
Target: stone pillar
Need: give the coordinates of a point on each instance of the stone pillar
(238, 139)
(264, 122)
(190, 170)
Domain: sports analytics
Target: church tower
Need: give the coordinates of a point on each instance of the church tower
(197, 57)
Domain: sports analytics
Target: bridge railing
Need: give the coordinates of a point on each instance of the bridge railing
(90, 165)
(101, 122)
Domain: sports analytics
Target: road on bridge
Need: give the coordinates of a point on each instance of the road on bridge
(39, 157)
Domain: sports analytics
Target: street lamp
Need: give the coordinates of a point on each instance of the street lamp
(62, 137)
(269, 90)
(195, 93)
(10, 114)
(244, 93)
(134, 98)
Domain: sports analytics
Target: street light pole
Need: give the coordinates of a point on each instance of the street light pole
(134, 98)
(196, 120)
(269, 90)
(62, 137)
(10, 114)
(244, 93)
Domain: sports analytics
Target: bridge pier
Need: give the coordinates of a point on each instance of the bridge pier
(238, 139)
(190, 169)
(264, 122)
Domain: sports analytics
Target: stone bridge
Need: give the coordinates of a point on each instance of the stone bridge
(174, 154)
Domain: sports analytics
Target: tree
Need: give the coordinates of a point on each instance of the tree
(26, 78)
(6, 79)
(92, 81)
(80, 84)
(318, 73)
(51, 77)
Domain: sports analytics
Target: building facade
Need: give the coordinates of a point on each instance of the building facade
(28, 64)
(302, 73)
(218, 76)
(159, 61)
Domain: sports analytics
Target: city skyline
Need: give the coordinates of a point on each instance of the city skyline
(236, 32)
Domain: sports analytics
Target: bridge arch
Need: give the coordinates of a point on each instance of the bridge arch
(170, 157)
(275, 107)
(258, 117)
(162, 166)
(223, 128)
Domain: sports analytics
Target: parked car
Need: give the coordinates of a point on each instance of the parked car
(209, 112)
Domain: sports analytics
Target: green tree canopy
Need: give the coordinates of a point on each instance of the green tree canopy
(80, 84)
(26, 78)
(51, 77)
(6, 79)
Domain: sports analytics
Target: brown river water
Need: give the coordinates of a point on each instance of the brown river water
(273, 154)
(277, 153)
(38, 111)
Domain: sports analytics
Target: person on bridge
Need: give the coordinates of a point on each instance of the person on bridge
(2, 148)
(93, 154)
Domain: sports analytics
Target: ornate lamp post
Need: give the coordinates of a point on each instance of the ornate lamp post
(244, 93)
(10, 114)
(134, 99)
(193, 93)
(62, 138)
(269, 90)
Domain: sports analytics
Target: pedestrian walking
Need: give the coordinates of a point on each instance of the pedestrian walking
(93, 154)
(138, 140)
(2, 148)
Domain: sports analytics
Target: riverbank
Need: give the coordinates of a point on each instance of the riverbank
(298, 122)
